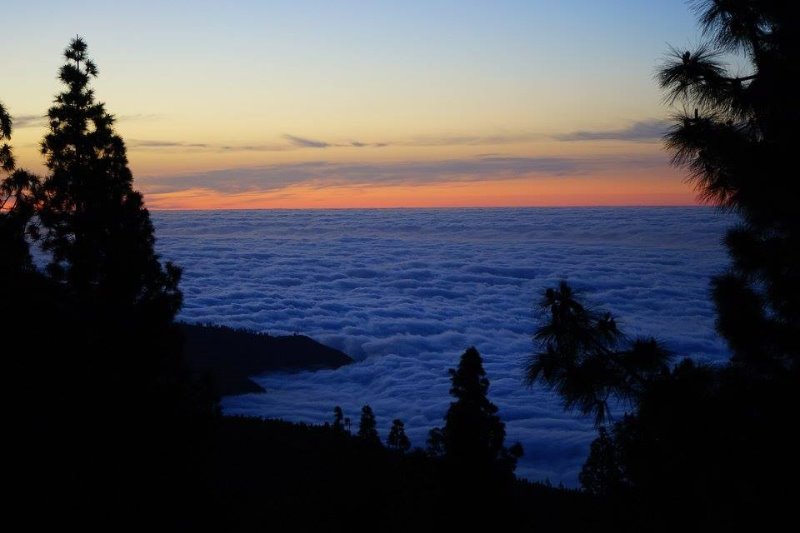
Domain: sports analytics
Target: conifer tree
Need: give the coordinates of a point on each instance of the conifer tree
(737, 136)
(17, 193)
(94, 223)
(6, 156)
(587, 360)
(397, 439)
(338, 419)
(434, 444)
(602, 474)
(473, 434)
(367, 427)
(116, 416)
(121, 299)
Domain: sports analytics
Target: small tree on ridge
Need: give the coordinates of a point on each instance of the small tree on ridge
(367, 427)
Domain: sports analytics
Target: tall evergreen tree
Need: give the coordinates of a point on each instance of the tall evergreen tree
(101, 244)
(738, 140)
(710, 445)
(397, 439)
(368, 427)
(94, 223)
(473, 433)
(115, 409)
(338, 419)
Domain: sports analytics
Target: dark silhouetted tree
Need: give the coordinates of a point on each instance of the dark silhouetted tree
(338, 419)
(586, 359)
(473, 433)
(434, 444)
(17, 203)
(102, 342)
(6, 157)
(602, 474)
(7, 162)
(660, 447)
(93, 222)
(101, 244)
(26, 299)
(709, 446)
(397, 439)
(367, 427)
(738, 138)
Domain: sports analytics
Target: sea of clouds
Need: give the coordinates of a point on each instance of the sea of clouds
(405, 292)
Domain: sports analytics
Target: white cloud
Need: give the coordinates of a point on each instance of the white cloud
(407, 291)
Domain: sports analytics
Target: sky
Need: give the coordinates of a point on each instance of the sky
(320, 104)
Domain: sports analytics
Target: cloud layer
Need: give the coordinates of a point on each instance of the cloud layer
(651, 130)
(35, 121)
(643, 131)
(29, 121)
(325, 173)
(406, 291)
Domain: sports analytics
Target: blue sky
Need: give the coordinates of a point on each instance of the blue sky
(211, 86)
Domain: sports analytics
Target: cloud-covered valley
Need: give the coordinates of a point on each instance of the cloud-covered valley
(407, 291)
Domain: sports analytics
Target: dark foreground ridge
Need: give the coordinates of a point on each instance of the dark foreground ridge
(232, 356)
(276, 475)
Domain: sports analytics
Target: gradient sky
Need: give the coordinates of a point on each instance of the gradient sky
(367, 104)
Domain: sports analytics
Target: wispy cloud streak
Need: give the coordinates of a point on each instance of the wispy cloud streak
(326, 174)
(29, 121)
(641, 131)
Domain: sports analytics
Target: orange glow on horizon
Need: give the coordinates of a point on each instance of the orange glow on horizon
(539, 192)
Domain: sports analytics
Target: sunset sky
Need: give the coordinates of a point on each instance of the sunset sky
(367, 104)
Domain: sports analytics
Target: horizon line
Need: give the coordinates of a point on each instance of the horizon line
(444, 207)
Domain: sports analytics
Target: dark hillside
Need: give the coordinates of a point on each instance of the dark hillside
(275, 475)
(231, 356)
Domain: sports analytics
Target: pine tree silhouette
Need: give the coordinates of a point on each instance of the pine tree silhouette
(705, 446)
(397, 439)
(94, 223)
(473, 434)
(738, 139)
(367, 427)
(434, 444)
(101, 244)
(587, 360)
(103, 347)
(338, 419)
